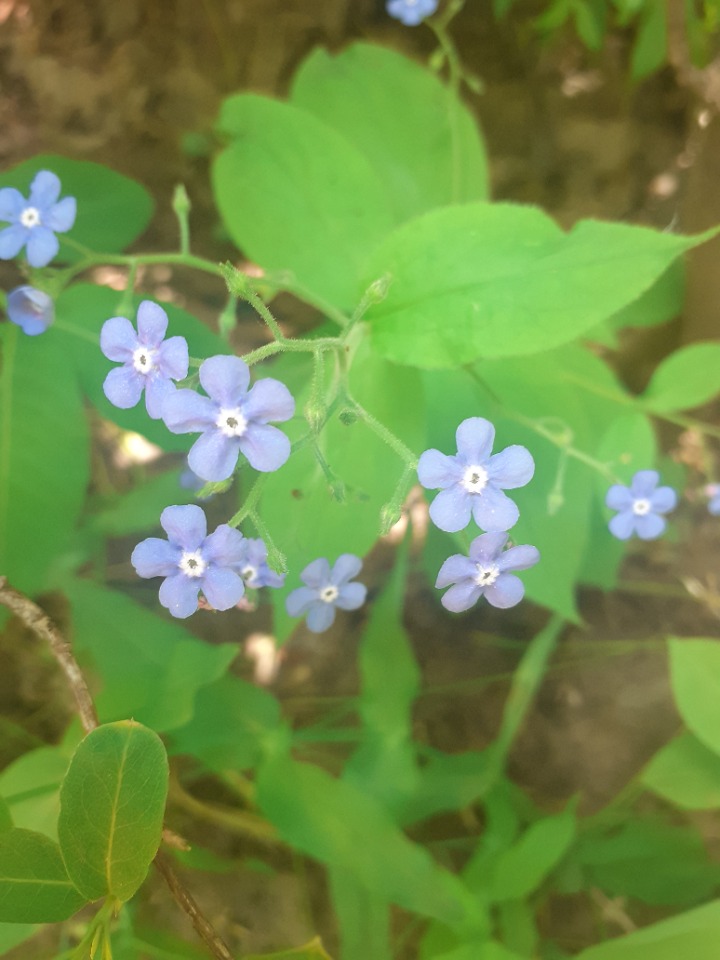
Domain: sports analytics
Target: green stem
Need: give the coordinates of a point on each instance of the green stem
(387, 436)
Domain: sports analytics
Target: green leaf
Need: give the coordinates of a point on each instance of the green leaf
(12, 934)
(685, 379)
(521, 868)
(140, 508)
(429, 156)
(311, 951)
(112, 210)
(482, 950)
(363, 918)
(42, 428)
(6, 820)
(31, 786)
(296, 195)
(112, 803)
(626, 446)
(81, 311)
(650, 51)
(34, 885)
(659, 303)
(590, 20)
(493, 280)
(151, 668)
(449, 782)
(686, 773)
(695, 679)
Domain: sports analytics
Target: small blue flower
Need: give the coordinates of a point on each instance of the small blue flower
(253, 567)
(712, 490)
(640, 506)
(191, 561)
(411, 12)
(327, 589)
(232, 419)
(485, 573)
(471, 483)
(149, 362)
(30, 309)
(35, 222)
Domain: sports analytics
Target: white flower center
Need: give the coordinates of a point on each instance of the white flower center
(641, 507)
(248, 573)
(329, 594)
(475, 479)
(486, 574)
(143, 359)
(231, 422)
(192, 564)
(30, 217)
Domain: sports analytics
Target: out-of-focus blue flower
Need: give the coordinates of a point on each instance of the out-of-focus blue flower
(640, 506)
(327, 589)
(192, 562)
(712, 491)
(31, 309)
(149, 362)
(34, 222)
(472, 481)
(253, 567)
(231, 419)
(411, 12)
(485, 573)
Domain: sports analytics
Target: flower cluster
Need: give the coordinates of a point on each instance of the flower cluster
(471, 484)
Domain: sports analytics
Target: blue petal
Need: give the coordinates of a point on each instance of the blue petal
(185, 411)
(507, 591)
(455, 568)
(519, 558)
(268, 400)
(222, 588)
(179, 594)
(118, 339)
(157, 391)
(12, 240)
(31, 309)
(663, 500)
(61, 217)
(475, 437)
(44, 190)
(643, 483)
(12, 204)
(185, 525)
(320, 616)
(316, 574)
(511, 468)
(152, 323)
(351, 596)
(438, 471)
(462, 596)
(451, 509)
(622, 526)
(649, 526)
(299, 601)
(224, 546)
(619, 497)
(173, 360)
(225, 379)
(493, 511)
(213, 456)
(155, 558)
(123, 387)
(42, 246)
(488, 547)
(346, 567)
(714, 505)
(265, 447)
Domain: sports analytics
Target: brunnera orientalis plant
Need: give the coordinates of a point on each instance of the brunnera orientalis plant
(454, 349)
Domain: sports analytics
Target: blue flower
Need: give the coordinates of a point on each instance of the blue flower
(485, 573)
(712, 490)
(35, 222)
(327, 589)
(640, 506)
(148, 361)
(253, 567)
(30, 309)
(411, 12)
(472, 482)
(232, 419)
(191, 561)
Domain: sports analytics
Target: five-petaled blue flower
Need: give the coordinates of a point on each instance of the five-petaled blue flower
(191, 561)
(35, 222)
(253, 567)
(712, 490)
(31, 309)
(485, 573)
(411, 12)
(640, 506)
(232, 419)
(327, 589)
(149, 362)
(471, 483)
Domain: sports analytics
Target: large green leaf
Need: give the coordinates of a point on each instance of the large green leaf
(686, 773)
(31, 786)
(112, 803)
(685, 379)
(11, 934)
(695, 678)
(363, 917)
(296, 195)
(415, 132)
(43, 455)
(6, 820)
(521, 868)
(493, 280)
(151, 668)
(112, 210)
(34, 884)
(140, 508)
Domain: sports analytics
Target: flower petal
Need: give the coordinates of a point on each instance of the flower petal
(118, 339)
(643, 483)
(493, 511)
(663, 500)
(123, 387)
(185, 411)
(12, 240)
(12, 204)
(31, 309)
(346, 567)
(488, 547)
(42, 246)
(438, 471)
(507, 591)
(268, 400)
(455, 568)
(185, 525)
(650, 526)
(157, 391)
(622, 526)
(179, 594)
(316, 574)
(511, 468)
(619, 497)
(61, 217)
(44, 190)
(475, 437)
(225, 379)
(152, 324)
(224, 546)
(155, 558)
(265, 447)
(351, 596)
(213, 456)
(173, 359)
(222, 588)
(461, 596)
(320, 616)
(519, 558)
(299, 601)
(451, 509)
